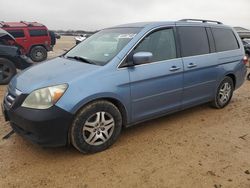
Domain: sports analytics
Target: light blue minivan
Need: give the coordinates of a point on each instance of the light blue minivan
(124, 75)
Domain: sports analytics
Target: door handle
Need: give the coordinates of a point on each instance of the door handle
(192, 65)
(174, 68)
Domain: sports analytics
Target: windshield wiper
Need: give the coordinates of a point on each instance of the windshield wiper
(78, 58)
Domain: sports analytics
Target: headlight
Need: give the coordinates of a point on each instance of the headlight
(44, 98)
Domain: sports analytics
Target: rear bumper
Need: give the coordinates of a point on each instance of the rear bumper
(241, 76)
(49, 48)
(44, 127)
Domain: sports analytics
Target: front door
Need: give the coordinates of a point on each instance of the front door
(156, 87)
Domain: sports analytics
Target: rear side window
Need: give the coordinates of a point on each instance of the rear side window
(17, 33)
(224, 39)
(194, 41)
(38, 33)
(160, 43)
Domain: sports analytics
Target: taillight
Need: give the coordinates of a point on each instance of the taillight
(245, 60)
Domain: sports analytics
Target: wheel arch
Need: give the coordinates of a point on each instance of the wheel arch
(10, 59)
(233, 77)
(123, 110)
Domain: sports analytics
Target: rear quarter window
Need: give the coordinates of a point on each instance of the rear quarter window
(16, 33)
(194, 41)
(224, 39)
(38, 32)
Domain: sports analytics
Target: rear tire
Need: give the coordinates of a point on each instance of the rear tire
(38, 54)
(224, 93)
(96, 127)
(7, 71)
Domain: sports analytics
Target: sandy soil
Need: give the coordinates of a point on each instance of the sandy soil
(199, 147)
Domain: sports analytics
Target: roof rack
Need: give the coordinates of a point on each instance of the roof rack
(3, 24)
(200, 20)
(26, 23)
(31, 24)
(20, 24)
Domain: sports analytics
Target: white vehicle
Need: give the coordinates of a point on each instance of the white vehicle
(80, 38)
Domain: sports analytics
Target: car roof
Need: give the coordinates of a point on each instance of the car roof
(20, 24)
(193, 22)
(143, 24)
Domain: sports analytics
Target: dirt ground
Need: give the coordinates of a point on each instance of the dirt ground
(199, 147)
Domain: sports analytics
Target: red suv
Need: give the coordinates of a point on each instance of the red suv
(33, 38)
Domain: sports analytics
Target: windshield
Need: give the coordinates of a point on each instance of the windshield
(103, 46)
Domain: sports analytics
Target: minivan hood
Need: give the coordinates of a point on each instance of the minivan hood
(52, 72)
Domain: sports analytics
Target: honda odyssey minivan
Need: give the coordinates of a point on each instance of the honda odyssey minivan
(124, 75)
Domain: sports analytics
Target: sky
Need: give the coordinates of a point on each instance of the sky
(97, 14)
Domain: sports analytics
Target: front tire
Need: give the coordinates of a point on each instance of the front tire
(38, 54)
(224, 93)
(96, 127)
(7, 71)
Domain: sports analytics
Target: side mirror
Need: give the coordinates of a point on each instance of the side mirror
(142, 58)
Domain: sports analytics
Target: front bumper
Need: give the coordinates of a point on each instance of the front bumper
(44, 127)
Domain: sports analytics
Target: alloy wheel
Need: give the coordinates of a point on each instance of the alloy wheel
(225, 93)
(98, 128)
